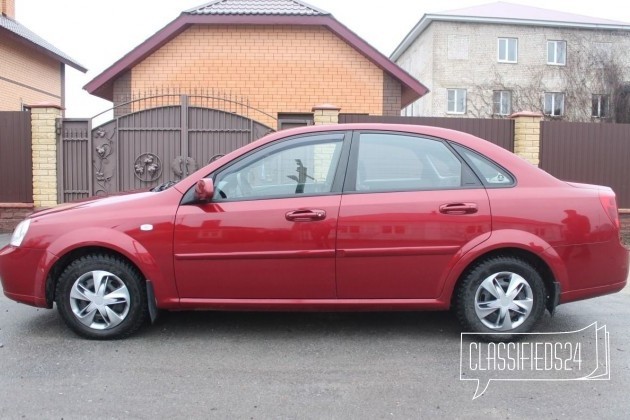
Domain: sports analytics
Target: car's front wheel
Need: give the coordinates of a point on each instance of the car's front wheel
(500, 296)
(102, 297)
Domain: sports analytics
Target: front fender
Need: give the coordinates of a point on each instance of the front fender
(120, 242)
(503, 239)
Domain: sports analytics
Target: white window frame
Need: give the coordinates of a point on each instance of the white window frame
(556, 45)
(599, 97)
(506, 59)
(554, 99)
(504, 95)
(455, 101)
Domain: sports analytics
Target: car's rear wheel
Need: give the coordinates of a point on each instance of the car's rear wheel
(102, 297)
(500, 296)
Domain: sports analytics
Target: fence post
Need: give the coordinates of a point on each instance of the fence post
(527, 135)
(44, 141)
(325, 114)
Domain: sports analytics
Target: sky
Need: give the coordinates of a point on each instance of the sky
(98, 33)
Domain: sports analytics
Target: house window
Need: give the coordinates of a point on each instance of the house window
(290, 120)
(554, 104)
(502, 100)
(456, 101)
(601, 106)
(412, 110)
(508, 50)
(557, 53)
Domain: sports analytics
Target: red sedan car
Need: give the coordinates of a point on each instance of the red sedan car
(348, 217)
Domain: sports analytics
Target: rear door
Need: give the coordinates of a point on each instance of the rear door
(410, 204)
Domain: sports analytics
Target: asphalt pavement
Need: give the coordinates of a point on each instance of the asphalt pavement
(289, 365)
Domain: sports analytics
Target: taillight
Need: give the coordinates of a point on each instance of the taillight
(609, 203)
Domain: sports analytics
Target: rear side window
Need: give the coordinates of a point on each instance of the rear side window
(491, 174)
(395, 162)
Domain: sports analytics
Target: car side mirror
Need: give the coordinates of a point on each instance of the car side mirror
(204, 190)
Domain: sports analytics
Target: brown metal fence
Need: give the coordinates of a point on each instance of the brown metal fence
(75, 160)
(588, 152)
(16, 168)
(497, 131)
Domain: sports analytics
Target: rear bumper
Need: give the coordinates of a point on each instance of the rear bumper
(23, 274)
(592, 292)
(593, 269)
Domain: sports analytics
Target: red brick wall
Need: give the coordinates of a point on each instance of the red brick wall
(12, 214)
(277, 68)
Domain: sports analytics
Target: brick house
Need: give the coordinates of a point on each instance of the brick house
(31, 69)
(499, 58)
(284, 57)
(32, 73)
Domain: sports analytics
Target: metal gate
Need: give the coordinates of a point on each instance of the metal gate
(148, 146)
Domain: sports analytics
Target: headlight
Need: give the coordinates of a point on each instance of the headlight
(20, 232)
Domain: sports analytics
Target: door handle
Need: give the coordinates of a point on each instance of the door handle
(458, 208)
(305, 215)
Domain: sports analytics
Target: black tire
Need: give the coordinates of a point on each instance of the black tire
(499, 271)
(117, 316)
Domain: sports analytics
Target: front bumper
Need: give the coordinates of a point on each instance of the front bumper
(23, 274)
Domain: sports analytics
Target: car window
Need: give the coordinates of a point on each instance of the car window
(296, 169)
(393, 162)
(491, 173)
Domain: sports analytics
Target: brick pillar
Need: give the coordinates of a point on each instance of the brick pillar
(8, 8)
(527, 135)
(44, 141)
(326, 114)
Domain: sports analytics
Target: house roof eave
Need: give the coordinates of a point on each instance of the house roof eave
(426, 20)
(410, 38)
(412, 89)
(102, 85)
(19, 33)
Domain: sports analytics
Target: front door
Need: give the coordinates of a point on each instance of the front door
(409, 206)
(270, 230)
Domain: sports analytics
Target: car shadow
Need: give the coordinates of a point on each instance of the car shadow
(283, 325)
(287, 325)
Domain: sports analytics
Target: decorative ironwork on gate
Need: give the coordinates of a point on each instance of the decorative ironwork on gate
(153, 139)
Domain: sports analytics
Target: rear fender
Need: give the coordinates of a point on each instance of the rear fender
(504, 239)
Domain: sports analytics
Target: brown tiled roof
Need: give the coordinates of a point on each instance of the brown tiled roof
(22, 33)
(257, 7)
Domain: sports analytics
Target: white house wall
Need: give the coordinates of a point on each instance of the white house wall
(438, 58)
